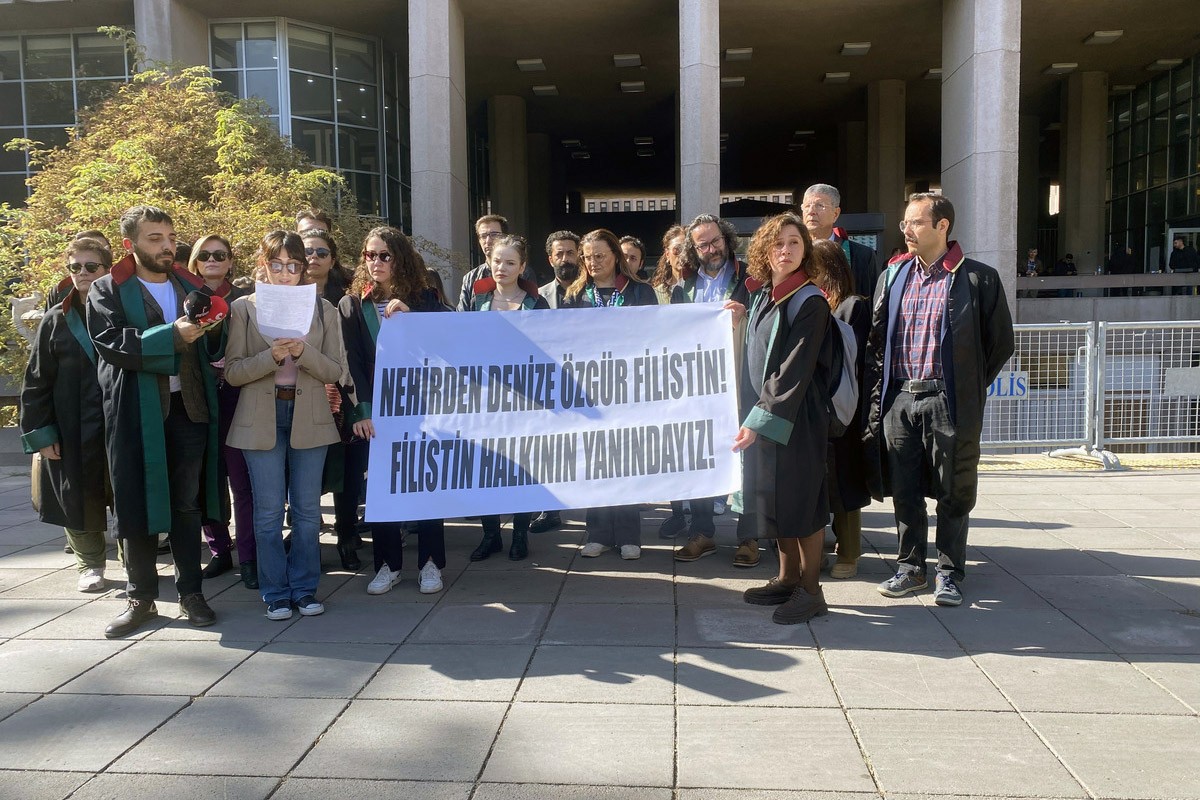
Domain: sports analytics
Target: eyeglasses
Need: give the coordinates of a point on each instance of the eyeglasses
(319, 252)
(820, 208)
(383, 256)
(911, 223)
(490, 235)
(293, 267)
(711, 244)
(214, 255)
(75, 267)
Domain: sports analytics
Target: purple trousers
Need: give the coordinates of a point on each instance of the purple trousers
(232, 472)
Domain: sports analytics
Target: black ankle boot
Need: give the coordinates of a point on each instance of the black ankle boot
(491, 542)
(349, 555)
(520, 543)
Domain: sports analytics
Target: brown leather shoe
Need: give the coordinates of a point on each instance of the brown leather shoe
(746, 554)
(697, 547)
(800, 607)
(772, 593)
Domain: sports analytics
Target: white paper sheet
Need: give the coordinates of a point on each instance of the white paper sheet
(284, 312)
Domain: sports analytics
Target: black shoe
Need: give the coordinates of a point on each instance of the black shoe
(545, 521)
(218, 566)
(67, 548)
(800, 607)
(490, 543)
(250, 574)
(136, 614)
(673, 526)
(773, 593)
(198, 612)
(349, 556)
(520, 546)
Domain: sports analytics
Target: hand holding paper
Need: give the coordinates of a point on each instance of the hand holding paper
(284, 312)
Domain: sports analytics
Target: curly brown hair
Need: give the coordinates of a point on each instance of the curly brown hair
(836, 280)
(664, 274)
(408, 269)
(758, 256)
(610, 239)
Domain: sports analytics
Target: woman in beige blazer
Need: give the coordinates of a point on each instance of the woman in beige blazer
(283, 425)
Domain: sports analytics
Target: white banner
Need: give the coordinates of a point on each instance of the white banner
(494, 413)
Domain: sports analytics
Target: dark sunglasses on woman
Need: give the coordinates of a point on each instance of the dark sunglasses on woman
(383, 256)
(75, 267)
(319, 252)
(291, 266)
(214, 255)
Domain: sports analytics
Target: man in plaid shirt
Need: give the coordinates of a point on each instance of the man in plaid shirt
(941, 331)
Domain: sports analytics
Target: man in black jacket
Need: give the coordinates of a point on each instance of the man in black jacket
(941, 331)
(820, 207)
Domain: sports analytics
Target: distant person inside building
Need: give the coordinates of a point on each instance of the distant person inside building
(1121, 262)
(1064, 267)
(1184, 258)
(1032, 265)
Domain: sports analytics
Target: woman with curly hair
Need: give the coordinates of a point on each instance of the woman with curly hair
(284, 439)
(670, 265)
(785, 400)
(391, 278)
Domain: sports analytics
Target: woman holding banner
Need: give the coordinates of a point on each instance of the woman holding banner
(283, 426)
(607, 282)
(506, 290)
(391, 278)
(785, 399)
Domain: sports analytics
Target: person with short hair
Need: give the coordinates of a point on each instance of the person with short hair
(635, 254)
(62, 417)
(313, 220)
(562, 251)
(161, 423)
(489, 229)
(821, 207)
(940, 333)
(390, 279)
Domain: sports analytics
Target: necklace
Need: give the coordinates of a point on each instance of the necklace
(512, 301)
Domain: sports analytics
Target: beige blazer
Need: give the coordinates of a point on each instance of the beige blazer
(248, 364)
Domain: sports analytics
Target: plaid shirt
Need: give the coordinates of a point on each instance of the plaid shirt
(917, 335)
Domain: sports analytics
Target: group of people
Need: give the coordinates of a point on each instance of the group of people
(199, 420)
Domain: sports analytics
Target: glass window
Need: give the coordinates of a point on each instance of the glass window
(1177, 199)
(1121, 145)
(264, 83)
(603, 206)
(1160, 93)
(1137, 212)
(365, 189)
(355, 60)
(628, 206)
(358, 149)
(261, 48)
(1120, 214)
(1141, 102)
(96, 56)
(393, 156)
(1156, 206)
(47, 57)
(10, 58)
(11, 161)
(1159, 127)
(1137, 174)
(231, 81)
(357, 104)
(1180, 121)
(10, 104)
(591, 206)
(1122, 110)
(641, 206)
(1120, 180)
(1179, 166)
(310, 50)
(653, 205)
(1181, 83)
(226, 42)
(315, 139)
(49, 103)
(93, 92)
(1140, 131)
(12, 189)
(312, 96)
(54, 136)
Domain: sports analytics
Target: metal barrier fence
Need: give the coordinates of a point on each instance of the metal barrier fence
(1086, 388)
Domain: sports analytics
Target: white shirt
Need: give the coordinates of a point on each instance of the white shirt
(168, 303)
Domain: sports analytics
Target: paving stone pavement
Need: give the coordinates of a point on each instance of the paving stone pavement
(1073, 670)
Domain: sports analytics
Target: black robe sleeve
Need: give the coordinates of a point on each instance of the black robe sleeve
(791, 368)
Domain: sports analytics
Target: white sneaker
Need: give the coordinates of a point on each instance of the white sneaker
(91, 580)
(430, 579)
(592, 549)
(629, 552)
(383, 581)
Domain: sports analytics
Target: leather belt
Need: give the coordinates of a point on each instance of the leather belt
(923, 387)
(285, 392)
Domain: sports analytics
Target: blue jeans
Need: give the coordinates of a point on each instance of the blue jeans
(294, 574)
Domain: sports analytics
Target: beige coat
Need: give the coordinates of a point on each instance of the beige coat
(248, 363)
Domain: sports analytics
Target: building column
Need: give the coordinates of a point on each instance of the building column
(699, 108)
(981, 60)
(1084, 152)
(885, 157)
(508, 160)
(1029, 184)
(171, 32)
(438, 130)
(851, 167)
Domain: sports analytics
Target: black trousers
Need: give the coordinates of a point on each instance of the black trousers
(345, 502)
(926, 459)
(186, 441)
(491, 523)
(388, 548)
(702, 514)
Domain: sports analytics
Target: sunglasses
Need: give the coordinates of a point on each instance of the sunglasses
(74, 267)
(383, 256)
(291, 266)
(213, 255)
(319, 252)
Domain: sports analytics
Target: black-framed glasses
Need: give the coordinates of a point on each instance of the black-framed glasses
(383, 256)
(220, 256)
(319, 252)
(711, 244)
(75, 267)
(293, 267)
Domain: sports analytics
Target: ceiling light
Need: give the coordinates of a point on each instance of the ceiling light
(1061, 68)
(581, 155)
(645, 152)
(571, 143)
(546, 90)
(733, 83)
(855, 48)
(1121, 88)
(1054, 126)
(1103, 37)
(633, 87)
(739, 53)
(805, 133)
(933, 74)
(836, 77)
(794, 146)
(627, 60)
(643, 141)
(724, 137)
(723, 148)
(531, 65)
(1164, 64)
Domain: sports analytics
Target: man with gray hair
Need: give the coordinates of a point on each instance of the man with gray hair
(820, 207)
